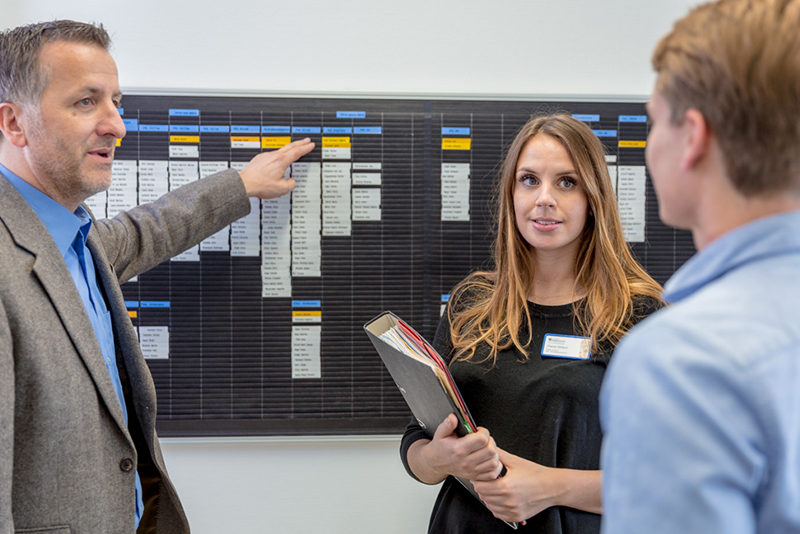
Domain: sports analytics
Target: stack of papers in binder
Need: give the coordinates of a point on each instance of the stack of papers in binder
(405, 340)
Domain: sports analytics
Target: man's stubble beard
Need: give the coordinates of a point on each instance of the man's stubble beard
(57, 169)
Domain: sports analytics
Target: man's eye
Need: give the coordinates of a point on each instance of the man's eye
(85, 102)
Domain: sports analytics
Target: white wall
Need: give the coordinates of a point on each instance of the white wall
(519, 47)
(328, 485)
(472, 46)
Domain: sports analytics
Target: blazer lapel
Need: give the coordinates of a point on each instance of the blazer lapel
(29, 233)
(134, 371)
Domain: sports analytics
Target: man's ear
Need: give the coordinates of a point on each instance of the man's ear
(10, 125)
(697, 140)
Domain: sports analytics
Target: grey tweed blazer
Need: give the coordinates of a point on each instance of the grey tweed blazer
(66, 455)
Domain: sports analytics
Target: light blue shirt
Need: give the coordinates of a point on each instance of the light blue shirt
(701, 403)
(69, 232)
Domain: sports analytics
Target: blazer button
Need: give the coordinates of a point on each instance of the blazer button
(126, 464)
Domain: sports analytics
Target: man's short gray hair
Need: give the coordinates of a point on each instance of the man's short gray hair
(22, 77)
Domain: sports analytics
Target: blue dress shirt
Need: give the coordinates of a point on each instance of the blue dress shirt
(69, 232)
(701, 402)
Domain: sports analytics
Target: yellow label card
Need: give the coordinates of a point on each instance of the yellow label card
(275, 142)
(307, 314)
(335, 142)
(184, 138)
(632, 144)
(456, 143)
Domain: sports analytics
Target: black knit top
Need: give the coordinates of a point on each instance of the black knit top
(543, 409)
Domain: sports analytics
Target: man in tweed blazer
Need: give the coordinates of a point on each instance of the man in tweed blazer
(78, 446)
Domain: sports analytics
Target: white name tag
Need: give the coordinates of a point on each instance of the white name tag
(563, 346)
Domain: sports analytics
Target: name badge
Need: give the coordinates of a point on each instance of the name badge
(563, 346)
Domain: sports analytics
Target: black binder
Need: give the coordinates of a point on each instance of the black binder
(424, 380)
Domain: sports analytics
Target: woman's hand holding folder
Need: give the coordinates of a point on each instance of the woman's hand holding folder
(527, 488)
(474, 456)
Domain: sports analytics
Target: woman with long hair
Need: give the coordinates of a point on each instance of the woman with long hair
(528, 343)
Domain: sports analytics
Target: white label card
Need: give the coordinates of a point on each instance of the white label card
(563, 346)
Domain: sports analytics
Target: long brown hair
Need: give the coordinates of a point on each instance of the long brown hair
(491, 306)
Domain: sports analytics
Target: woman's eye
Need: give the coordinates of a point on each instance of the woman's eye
(528, 179)
(568, 183)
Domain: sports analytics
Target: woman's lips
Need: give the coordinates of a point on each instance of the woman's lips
(546, 225)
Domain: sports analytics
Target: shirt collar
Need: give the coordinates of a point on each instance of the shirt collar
(771, 236)
(62, 225)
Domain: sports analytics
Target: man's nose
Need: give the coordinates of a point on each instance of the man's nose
(111, 122)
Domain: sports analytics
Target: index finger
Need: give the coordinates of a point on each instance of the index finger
(297, 149)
